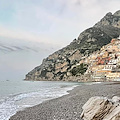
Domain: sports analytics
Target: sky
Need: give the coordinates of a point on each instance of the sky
(53, 23)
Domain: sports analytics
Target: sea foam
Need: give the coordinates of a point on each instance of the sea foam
(10, 105)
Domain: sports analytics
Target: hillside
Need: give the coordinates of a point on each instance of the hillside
(61, 65)
(104, 65)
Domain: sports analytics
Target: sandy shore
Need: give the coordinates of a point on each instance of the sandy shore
(68, 107)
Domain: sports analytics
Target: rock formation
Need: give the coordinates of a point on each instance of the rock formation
(59, 65)
(101, 108)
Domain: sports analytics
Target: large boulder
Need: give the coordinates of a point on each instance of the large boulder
(101, 108)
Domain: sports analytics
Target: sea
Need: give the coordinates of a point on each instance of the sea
(18, 95)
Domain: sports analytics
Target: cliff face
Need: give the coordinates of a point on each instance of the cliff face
(59, 65)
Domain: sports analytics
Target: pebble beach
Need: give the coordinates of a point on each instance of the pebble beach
(68, 107)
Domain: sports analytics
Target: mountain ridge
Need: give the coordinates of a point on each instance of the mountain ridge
(58, 65)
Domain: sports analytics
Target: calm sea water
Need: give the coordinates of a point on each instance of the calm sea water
(17, 95)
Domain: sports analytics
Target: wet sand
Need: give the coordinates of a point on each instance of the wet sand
(68, 107)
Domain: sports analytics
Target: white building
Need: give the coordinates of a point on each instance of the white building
(113, 62)
(109, 67)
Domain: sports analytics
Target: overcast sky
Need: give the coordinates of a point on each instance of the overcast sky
(52, 23)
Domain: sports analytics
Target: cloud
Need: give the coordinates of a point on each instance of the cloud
(54, 21)
(22, 36)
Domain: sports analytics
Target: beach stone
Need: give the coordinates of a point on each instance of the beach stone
(101, 108)
(114, 115)
(116, 99)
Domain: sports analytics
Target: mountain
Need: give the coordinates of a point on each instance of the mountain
(61, 65)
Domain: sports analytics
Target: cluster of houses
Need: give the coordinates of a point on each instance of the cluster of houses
(105, 64)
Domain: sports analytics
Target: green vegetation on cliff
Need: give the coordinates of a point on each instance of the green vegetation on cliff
(80, 69)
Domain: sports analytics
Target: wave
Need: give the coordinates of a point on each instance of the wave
(10, 105)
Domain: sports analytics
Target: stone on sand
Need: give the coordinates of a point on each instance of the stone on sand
(101, 108)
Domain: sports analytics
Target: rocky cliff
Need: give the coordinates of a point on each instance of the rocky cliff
(61, 65)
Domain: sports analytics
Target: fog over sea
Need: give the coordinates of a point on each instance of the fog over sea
(17, 59)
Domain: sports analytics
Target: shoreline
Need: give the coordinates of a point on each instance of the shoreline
(18, 99)
(67, 107)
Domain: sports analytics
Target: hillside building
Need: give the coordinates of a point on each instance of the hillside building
(106, 65)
